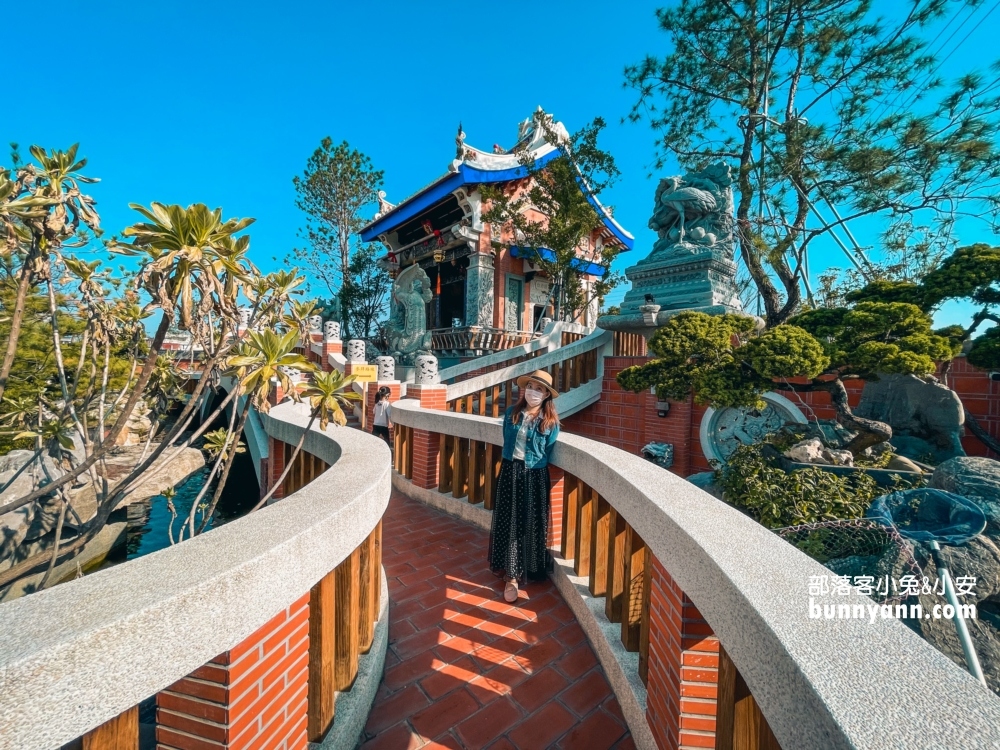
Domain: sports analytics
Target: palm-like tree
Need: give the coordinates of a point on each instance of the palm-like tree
(328, 394)
(263, 357)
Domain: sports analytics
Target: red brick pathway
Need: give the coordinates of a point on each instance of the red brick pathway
(467, 670)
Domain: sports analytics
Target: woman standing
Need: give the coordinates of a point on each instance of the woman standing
(383, 414)
(521, 511)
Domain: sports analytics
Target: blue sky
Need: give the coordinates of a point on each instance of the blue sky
(222, 102)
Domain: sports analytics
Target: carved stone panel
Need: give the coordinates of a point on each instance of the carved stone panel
(724, 430)
(479, 291)
(332, 329)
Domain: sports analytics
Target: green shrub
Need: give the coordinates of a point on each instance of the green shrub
(776, 498)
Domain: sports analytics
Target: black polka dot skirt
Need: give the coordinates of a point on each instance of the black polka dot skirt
(520, 522)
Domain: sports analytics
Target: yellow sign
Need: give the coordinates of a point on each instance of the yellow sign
(365, 373)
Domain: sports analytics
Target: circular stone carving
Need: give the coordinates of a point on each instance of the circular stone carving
(723, 430)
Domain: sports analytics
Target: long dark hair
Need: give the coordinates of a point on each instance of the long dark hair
(382, 393)
(547, 411)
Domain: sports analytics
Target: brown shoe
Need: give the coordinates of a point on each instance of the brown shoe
(510, 592)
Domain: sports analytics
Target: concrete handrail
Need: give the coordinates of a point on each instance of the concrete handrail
(595, 340)
(79, 654)
(821, 684)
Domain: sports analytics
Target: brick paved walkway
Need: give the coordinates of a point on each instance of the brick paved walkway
(467, 670)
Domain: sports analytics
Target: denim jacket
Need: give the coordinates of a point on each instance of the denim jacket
(537, 447)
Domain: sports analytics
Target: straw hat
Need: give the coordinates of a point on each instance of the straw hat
(538, 377)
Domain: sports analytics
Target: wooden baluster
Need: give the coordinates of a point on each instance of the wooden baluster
(739, 725)
(615, 586)
(489, 478)
(584, 527)
(468, 404)
(322, 636)
(397, 453)
(474, 469)
(444, 464)
(347, 610)
(632, 597)
(495, 406)
(598, 582)
(377, 569)
(508, 396)
(647, 585)
(408, 454)
(577, 362)
(120, 733)
(571, 498)
(482, 403)
(366, 624)
(459, 480)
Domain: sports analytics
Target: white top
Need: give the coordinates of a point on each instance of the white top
(383, 413)
(522, 436)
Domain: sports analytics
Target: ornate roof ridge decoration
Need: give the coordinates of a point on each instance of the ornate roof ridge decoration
(473, 166)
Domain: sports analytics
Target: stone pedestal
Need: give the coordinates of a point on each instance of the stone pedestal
(681, 277)
(479, 291)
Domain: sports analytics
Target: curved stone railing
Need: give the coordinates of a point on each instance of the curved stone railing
(846, 683)
(77, 658)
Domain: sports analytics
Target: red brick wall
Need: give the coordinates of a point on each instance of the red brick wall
(981, 396)
(276, 464)
(629, 420)
(253, 697)
(556, 495)
(683, 668)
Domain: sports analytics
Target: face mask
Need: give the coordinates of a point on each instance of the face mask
(534, 398)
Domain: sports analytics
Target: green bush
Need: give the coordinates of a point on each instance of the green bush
(776, 498)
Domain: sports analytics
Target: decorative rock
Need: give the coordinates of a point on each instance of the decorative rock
(427, 370)
(977, 479)
(316, 323)
(808, 452)
(332, 329)
(914, 408)
(356, 351)
(386, 368)
(902, 463)
(839, 458)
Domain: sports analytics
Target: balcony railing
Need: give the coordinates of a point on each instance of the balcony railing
(474, 341)
(282, 601)
(676, 565)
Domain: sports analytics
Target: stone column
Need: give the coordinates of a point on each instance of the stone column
(479, 291)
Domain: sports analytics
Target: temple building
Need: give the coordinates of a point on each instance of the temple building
(486, 295)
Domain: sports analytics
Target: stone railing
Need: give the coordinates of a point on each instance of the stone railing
(705, 628)
(577, 370)
(247, 635)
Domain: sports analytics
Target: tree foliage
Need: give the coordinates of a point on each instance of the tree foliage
(776, 498)
(338, 184)
(822, 102)
(561, 191)
(725, 361)
(364, 295)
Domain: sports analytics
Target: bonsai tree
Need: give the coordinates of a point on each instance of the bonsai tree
(725, 361)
